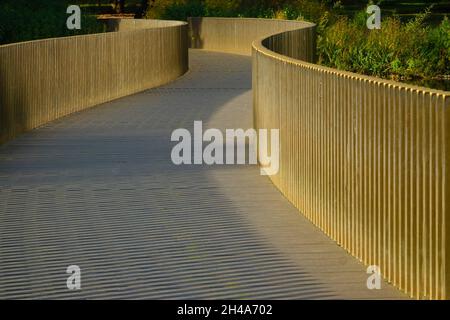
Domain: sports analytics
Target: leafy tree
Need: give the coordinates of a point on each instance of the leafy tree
(22, 20)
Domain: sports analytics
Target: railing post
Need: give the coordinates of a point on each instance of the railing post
(446, 196)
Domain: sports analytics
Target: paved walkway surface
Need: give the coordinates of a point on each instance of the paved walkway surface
(97, 189)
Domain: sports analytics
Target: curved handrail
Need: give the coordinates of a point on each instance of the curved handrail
(265, 46)
(117, 24)
(365, 159)
(236, 35)
(46, 79)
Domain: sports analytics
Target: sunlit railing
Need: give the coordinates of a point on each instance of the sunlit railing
(366, 160)
(46, 79)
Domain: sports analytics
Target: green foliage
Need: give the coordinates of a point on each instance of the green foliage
(397, 50)
(220, 8)
(286, 9)
(437, 49)
(23, 20)
(181, 11)
(309, 10)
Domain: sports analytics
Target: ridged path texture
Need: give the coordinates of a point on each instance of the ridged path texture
(98, 189)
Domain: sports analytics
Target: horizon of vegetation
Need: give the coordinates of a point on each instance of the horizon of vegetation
(413, 44)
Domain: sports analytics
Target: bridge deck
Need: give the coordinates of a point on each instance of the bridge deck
(97, 189)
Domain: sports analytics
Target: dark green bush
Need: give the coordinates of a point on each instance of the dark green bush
(398, 50)
(181, 11)
(23, 20)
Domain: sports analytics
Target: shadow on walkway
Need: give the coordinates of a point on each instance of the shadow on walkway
(97, 189)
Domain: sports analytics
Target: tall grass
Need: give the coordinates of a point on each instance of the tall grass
(397, 50)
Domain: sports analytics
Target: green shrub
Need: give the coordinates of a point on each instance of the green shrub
(398, 50)
(23, 20)
(437, 49)
(183, 10)
(220, 8)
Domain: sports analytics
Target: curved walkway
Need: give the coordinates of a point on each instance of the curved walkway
(97, 189)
